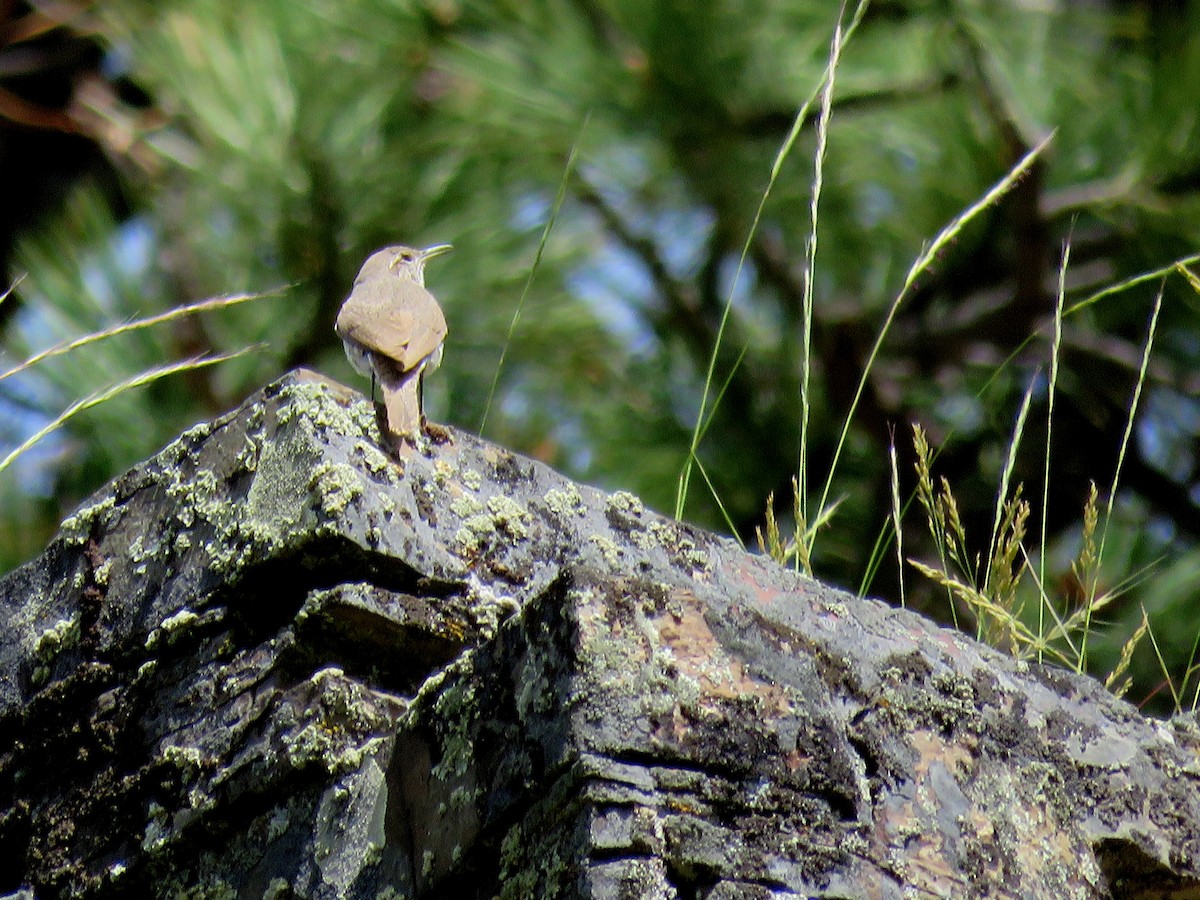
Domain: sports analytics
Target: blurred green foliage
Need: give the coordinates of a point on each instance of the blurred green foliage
(281, 142)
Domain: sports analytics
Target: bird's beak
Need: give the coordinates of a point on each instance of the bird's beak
(436, 250)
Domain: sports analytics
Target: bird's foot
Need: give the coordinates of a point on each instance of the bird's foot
(439, 434)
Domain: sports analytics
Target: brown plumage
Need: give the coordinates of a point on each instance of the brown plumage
(393, 329)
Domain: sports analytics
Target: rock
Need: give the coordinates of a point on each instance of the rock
(273, 661)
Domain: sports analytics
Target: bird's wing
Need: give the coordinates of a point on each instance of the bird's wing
(397, 319)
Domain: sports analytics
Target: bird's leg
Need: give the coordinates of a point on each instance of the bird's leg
(380, 412)
(439, 434)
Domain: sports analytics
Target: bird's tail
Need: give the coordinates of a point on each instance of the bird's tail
(402, 400)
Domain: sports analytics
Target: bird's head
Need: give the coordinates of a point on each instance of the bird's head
(408, 262)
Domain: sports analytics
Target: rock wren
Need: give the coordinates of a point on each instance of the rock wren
(393, 329)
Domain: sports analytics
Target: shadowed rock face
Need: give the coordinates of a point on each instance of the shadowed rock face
(273, 661)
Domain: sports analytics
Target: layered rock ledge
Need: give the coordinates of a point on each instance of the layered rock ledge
(273, 661)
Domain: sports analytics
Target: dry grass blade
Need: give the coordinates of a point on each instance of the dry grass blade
(923, 262)
(1116, 480)
(1010, 632)
(1044, 641)
(771, 543)
(1113, 682)
(896, 517)
(142, 378)
(177, 313)
(934, 513)
(1006, 475)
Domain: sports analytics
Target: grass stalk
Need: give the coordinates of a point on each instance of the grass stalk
(1006, 480)
(897, 516)
(781, 156)
(810, 264)
(1116, 479)
(922, 263)
(1051, 390)
(559, 196)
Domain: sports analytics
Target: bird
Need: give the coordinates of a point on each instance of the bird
(393, 330)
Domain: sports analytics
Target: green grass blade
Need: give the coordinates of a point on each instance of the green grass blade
(1162, 665)
(897, 516)
(1179, 265)
(784, 151)
(537, 261)
(721, 506)
(1055, 347)
(12, 287)
(810, 265)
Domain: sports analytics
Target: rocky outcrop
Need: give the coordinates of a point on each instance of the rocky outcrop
(273, 661)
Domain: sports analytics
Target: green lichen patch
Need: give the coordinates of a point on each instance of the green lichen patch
(76, 528)
(509, 515)
(565, 502)
(181, 450)
(501, 516)
(338, 730)
(314, 406)
(465, 507)
(625, 502)
(336, 486)
(63, 635)
(442, 472)
(489, 609)
(457, 709)
(378, 463)
(197, 498)
(608, 548)
(540, 864)
(282, 483)
(171, 628)
(187, 760)
(247, 457)
(673, 541)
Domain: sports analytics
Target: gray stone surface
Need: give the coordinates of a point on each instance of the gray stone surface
(272, 661)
